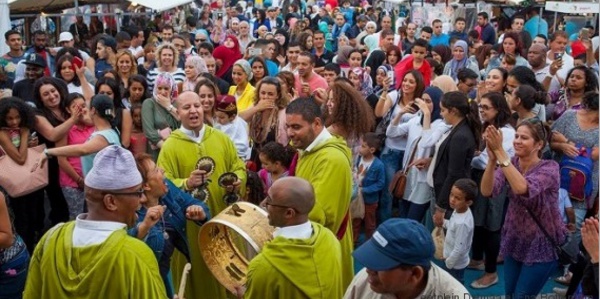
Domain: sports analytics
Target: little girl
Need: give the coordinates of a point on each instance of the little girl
(275, 160)
(70, 174)
(16, 121)
(139, 141)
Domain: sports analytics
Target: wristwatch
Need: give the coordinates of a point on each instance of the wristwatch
(504, 163)
(171, 108)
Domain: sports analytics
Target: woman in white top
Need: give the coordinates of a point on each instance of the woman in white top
(422, 133)
(487, 211)
(399, 110)
(166, 62)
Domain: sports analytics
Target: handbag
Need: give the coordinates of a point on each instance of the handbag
(438, 240)
(398, 183)
(357, 206)
(19, 180)
(568, 252)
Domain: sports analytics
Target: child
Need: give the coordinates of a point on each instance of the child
(70, 174)
(459, 229)
(275, 160)
(508, 62)
(16, 120)
(371, 181)
(139, 142)
(567, 213)
(232, 125)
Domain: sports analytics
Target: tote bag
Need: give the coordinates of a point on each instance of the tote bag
(19, 180)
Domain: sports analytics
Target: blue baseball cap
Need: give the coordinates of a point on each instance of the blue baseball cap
(397, 242)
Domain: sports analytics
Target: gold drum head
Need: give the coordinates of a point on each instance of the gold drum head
(231, 239)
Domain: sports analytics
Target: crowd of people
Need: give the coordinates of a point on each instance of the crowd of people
(357, 133)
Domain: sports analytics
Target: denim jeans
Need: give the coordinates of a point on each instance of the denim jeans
(392, 159)
(522, 280)
(13, 275)
(413, 210)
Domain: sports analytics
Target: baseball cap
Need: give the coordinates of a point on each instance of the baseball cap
(35, 59)
(397, 242)
(65, 37)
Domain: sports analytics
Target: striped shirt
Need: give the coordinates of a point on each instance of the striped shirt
(178, 75)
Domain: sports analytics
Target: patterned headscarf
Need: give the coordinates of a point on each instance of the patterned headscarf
(165, 79)
(366, 83)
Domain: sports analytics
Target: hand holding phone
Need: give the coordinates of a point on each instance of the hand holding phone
(76, 62)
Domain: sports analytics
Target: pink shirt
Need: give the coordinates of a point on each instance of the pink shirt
(314, 82)
(76, 135)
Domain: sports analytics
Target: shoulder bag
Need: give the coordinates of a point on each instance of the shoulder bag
(19, 180)
(398, 183)
(568, 252)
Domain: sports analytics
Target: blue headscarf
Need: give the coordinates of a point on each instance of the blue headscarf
(455, 65)
(436, 96)
(379, 88)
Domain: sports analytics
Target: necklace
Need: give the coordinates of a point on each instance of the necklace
(164, 228)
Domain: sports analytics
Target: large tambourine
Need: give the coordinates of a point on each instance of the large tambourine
(231, 239)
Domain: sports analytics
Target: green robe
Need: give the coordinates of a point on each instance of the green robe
(328, 168)
(297, 268)
(178, 157)
(120, 267)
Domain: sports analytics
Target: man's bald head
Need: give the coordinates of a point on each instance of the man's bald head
(293, 192)
(538, 47)
(187, 96)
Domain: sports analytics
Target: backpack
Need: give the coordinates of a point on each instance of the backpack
(576, 174)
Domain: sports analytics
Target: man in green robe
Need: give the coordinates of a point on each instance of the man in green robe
(325, 162)
(93, 257)
(304, 258)
(178, 157)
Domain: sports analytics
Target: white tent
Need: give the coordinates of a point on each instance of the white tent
(161, 5)
(4, 24)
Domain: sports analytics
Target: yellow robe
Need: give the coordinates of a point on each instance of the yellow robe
(328, 168)
(297, 268)
(120, 267)
(178, 158)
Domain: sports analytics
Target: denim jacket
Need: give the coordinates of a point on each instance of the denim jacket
(177, 202)
(374, 181)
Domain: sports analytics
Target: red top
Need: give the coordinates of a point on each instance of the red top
(406, 65)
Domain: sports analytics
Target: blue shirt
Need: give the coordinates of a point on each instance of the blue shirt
(442, 39)
(101, 67)
(111, 137)
(536, 25)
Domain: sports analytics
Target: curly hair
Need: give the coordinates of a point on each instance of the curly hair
(275, 152)
(255, 191)
(121, 53)
(302, 38)
(25, 112)
(591, 80)
(350, 111)
(282, 99)
(168, 46)
(519, 47)
(288, 78)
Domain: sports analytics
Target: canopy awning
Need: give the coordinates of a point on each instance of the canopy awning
(572, 7)
(48, 6)
(161, 5)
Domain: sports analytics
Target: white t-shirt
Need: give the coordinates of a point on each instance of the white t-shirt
(459, 236)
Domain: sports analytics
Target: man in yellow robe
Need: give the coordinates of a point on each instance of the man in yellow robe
(93, 257)
(325, 162)
(178, 157)
(304, 258)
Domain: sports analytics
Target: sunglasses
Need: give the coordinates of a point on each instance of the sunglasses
(201, 40)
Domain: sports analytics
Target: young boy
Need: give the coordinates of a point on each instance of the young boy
(416, 61)
(232, 125)
(330, 72)
(459, 29)
(459, 229)
(370, 174)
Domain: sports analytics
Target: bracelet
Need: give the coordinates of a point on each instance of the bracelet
(171, 108)
(46, 153)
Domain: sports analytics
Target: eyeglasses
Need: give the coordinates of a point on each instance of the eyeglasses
(484, 107)
(535, 121)
(201, 40)
(139, 193)
(268, 203)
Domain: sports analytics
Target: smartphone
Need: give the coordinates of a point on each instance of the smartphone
(33, 135)
(390, 74)
(255, 51)
(219, 15)
(584, 34)
(77, 62)
(415, 107)
(558, 56)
